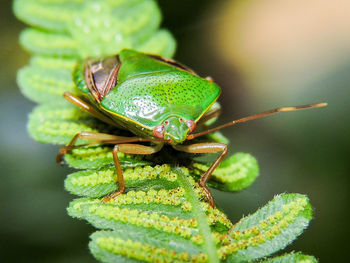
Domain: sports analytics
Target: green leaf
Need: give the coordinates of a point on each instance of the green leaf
(167, 204)
(270, 229)
(57, 124)
(101, 156)
(165, 210)
(48, 14)
(218, 137)
(48, 43)
(45, 85)
(160, 43)
(122, 246)
(105, 27)
(291, 258)
(59, 63)
(93, 28)
(98, 157)
(97, 183)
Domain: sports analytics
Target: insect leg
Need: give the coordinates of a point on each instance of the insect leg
(85, 106)
(209, 147)
(96, 138)
(208, 116)
(129, 149)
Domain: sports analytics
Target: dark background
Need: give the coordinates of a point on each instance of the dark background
(263, 56)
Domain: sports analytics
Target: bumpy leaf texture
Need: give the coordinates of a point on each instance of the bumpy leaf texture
(164, 216)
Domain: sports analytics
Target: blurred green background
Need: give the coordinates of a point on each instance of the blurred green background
(264, 54)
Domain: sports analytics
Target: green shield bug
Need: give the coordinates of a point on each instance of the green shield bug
(157, 99)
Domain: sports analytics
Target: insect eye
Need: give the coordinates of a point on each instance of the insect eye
(181, 120)
(158, 131)
(166, 122)
(191, 125)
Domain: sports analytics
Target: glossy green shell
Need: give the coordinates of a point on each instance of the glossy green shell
(149, 90)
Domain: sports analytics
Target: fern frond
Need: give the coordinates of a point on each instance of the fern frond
(170, 205)
(291, 258)
(57, 123)
(83, 29)
(45, 85)
(271, 228)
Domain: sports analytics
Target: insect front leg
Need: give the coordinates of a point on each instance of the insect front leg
(208, 116)
(96, 138)
(85, 106)
(209, 147)
(129, 149)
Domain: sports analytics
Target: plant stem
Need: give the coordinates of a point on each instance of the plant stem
(200, 217)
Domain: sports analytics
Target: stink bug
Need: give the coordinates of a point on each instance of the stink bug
(157, 99)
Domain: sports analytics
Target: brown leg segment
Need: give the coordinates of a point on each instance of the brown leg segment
(130, 149)
(121, 146)
(209, 115)
(85, 106)
(209, 147)
(97, 138)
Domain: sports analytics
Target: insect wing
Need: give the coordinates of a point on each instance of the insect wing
(101, 76)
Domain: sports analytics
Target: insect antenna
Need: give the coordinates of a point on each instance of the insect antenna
(256, 116)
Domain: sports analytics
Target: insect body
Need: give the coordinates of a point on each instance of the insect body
(148, 95)
(157, 99)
